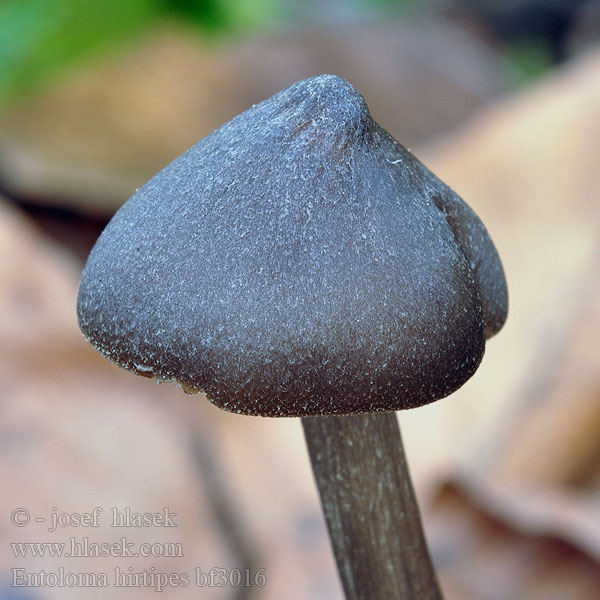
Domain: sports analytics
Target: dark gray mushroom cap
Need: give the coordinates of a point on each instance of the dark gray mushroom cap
(297, 261)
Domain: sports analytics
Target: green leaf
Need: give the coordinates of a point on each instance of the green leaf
(39, 38)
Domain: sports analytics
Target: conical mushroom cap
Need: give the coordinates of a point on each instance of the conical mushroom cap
(297, 261)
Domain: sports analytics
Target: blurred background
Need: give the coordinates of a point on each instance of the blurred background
(501, 100)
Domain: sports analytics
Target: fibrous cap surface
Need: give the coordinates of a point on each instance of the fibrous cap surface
(297, 261)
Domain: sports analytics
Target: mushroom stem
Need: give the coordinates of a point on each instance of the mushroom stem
(370, 507)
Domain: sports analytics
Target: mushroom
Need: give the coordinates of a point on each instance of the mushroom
(299, 261)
